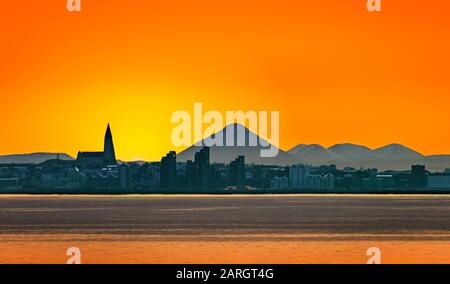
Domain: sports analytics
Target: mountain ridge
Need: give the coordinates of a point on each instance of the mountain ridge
(389, 157)
(343, 150)
(33, 158)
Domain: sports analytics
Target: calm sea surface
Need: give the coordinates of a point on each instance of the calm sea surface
(225, 229)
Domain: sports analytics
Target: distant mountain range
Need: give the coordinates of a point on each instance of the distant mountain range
(393, 157)
(390, 157)
(352, 152)
(34, 158)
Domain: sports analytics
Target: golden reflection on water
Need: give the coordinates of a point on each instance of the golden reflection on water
(111, 241)
(119, 249)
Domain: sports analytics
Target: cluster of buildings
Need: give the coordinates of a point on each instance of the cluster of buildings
(301, 178)
(100, 172)
(202, 176)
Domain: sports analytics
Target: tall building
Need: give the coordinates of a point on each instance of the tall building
(202, 169)
(124, 177)
(190, 175)
(95, 160)
(300, 178)
(168, 170)
(418, 176)
(328, 181)
(198, 172)
(237, 172)
(299, 175)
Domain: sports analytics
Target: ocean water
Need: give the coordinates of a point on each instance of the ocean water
(225, 229)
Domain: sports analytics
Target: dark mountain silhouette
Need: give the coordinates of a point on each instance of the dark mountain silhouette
(227, 154)
(351, 151)
(313, 152)
(390, 157)
(33, 158)
(396, 152)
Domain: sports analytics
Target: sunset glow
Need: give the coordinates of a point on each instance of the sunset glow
(336, 72)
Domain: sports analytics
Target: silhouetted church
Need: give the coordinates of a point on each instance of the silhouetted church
(95, 160)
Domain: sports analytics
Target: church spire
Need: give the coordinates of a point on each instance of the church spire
(108, 132)
(109, 152)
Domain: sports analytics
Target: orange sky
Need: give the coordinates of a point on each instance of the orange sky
(336, 72)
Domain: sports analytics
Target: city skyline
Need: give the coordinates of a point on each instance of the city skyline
(231, 133)
(390, 157)
(329, 146)
(368, 78)
(108, 145)
(199, 171)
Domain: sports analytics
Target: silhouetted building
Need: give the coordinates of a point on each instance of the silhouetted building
(214, 178)
(190, 175)
(124, 177)
(279, 183)
(104, 179)
(386, 181)
(299, 175)
(328, 181)
(237, 172)
(301, 178)
(202, 169)
(97, 160)
(90, 160)
(418, 176)
(439, 181)
(169, 170)
(108, 151)
(9, 183)
(199, 173)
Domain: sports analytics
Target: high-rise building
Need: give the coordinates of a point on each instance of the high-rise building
(299, 175)
(190, 175)
(199, 172)
(300, 178)
(237, 172)
(124, 177)
(418, 176)
(168, 170)
(328, 181)
(202, 169)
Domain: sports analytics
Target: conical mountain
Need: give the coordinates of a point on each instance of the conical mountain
(226, 154)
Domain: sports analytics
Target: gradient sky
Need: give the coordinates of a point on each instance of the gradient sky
(336, 72)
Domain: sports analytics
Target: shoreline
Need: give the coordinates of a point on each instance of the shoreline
(268, 195)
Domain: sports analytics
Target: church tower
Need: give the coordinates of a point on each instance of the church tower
(109, 153)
